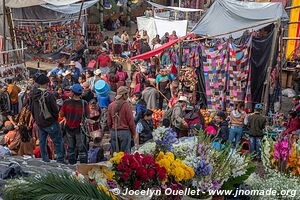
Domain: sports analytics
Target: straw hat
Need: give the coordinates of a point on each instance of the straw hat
(67, 72)
(103, 50)
(72, 63)
(183, 99)
(297, 67)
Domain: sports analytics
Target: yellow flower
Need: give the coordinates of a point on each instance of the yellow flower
(116, 159)
(160, 156)
(106, 191)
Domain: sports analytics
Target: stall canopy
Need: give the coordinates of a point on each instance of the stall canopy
(173, 8)
(155, 26)
(225, 16)
(28, 3)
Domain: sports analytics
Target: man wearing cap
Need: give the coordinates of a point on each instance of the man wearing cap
(256, 123)
(121, 122)
(45, 113)
(177, 118)
(75, 111)
(104, 61)
(94, 79)
(74, 71)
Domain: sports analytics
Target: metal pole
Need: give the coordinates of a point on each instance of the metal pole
(80, 10)
(101, 11)
(4, 30)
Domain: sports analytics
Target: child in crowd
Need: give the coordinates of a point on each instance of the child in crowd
(144, 127)
(27, 143)
(96, 152)
(223, 130)
(140, 107)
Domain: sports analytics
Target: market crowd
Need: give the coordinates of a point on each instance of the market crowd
(65, 114)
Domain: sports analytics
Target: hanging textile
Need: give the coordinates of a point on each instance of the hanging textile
(260, 55)
(239, 77)
(214, 67)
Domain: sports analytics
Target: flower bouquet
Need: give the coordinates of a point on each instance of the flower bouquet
(157, 116)
(164, 139)
(137, 172)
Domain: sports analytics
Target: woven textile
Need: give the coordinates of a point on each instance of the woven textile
(227, 74)
(215, 71)
(239, 76)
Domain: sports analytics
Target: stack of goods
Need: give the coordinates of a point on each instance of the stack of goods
(157, 116)
(206, 115)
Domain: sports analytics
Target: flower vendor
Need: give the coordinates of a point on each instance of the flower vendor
(144, 127)
(293, 123)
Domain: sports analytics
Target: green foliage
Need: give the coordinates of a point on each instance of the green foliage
(53, 187)
(232, 183)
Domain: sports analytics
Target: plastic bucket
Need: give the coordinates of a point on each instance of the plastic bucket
(102, 88)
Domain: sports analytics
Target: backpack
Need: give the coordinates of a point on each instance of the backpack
(93, 155)
(43, 106)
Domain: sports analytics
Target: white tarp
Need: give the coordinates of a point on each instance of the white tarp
(70, 8)
(230, 15)
(28, 3)
(159, 27)
(174, 8)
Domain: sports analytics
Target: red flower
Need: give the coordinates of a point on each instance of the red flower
(162, 173)
(136, 184)
(141, 172)
(151, 173)
(125, 176)
(134, 165)
(138, 157)
(148, 160)
(120, 167)
(128, 170)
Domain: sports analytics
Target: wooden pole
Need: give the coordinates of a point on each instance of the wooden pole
(12, 31)
(4, 30)
(101, 11)
(282, 53)
(270, 65)
(291, 38)
(79, 18)
(292, 7)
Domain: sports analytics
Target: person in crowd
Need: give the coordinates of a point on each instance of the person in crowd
(173, 36)
(125, 41)
(296, 103)
(89, 74)
(144, 127)
(75, 71)
(117, 44)
(256, 124)
(104, 61)
(145, 36)
(31, 80)
(94, 119)
(237, 118)
(165, 38)
(105, 44)
(150, 94)
(13, 91)
(94, 79)
(193, 118)
(45, 113)
(87, 94)
(293, 123)
(134, 77)
(163, 81)
(121, 76)
(76, 111)
(121, 122)
(78, 64)
(53, 82)
(68, 79)
(222, 124)
(155, 41)
(145, 47)
(140, 107)
(27, 143)
(296, 79)
(81, 79)
(148, 12)
(174, 99)
(177, 117)
(134, 47)
(153, 67)
(5, 106)
(59, 69)
(103, 102)
(96, 151)
(137, 35)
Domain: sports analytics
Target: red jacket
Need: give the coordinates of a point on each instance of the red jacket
(293, 125)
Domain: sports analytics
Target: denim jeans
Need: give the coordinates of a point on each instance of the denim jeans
(77, 145)
(54, 132)
(255, 144)
(235, 135)
(123, 139)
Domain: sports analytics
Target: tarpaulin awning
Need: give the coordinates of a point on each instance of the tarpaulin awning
(71, 8)
(174, 8)
(29, 3)
(156, 51)
(230, 15)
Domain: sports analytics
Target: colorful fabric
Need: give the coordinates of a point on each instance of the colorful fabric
(215, 68)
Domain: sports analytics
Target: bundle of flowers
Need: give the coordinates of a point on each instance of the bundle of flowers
(137, 171)
(177, 171)
(164, 139)
(282, 155)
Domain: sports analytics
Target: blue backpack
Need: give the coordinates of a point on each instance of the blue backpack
(93, 155)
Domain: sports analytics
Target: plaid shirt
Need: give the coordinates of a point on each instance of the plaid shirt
(72, 110)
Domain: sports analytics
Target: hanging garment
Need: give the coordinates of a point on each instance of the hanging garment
(214, 67)
(239, 77)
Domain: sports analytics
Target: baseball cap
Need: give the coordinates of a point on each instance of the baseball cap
(76, 88)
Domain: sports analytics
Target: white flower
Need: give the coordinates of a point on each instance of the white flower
(147, 148)
(158, 133)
